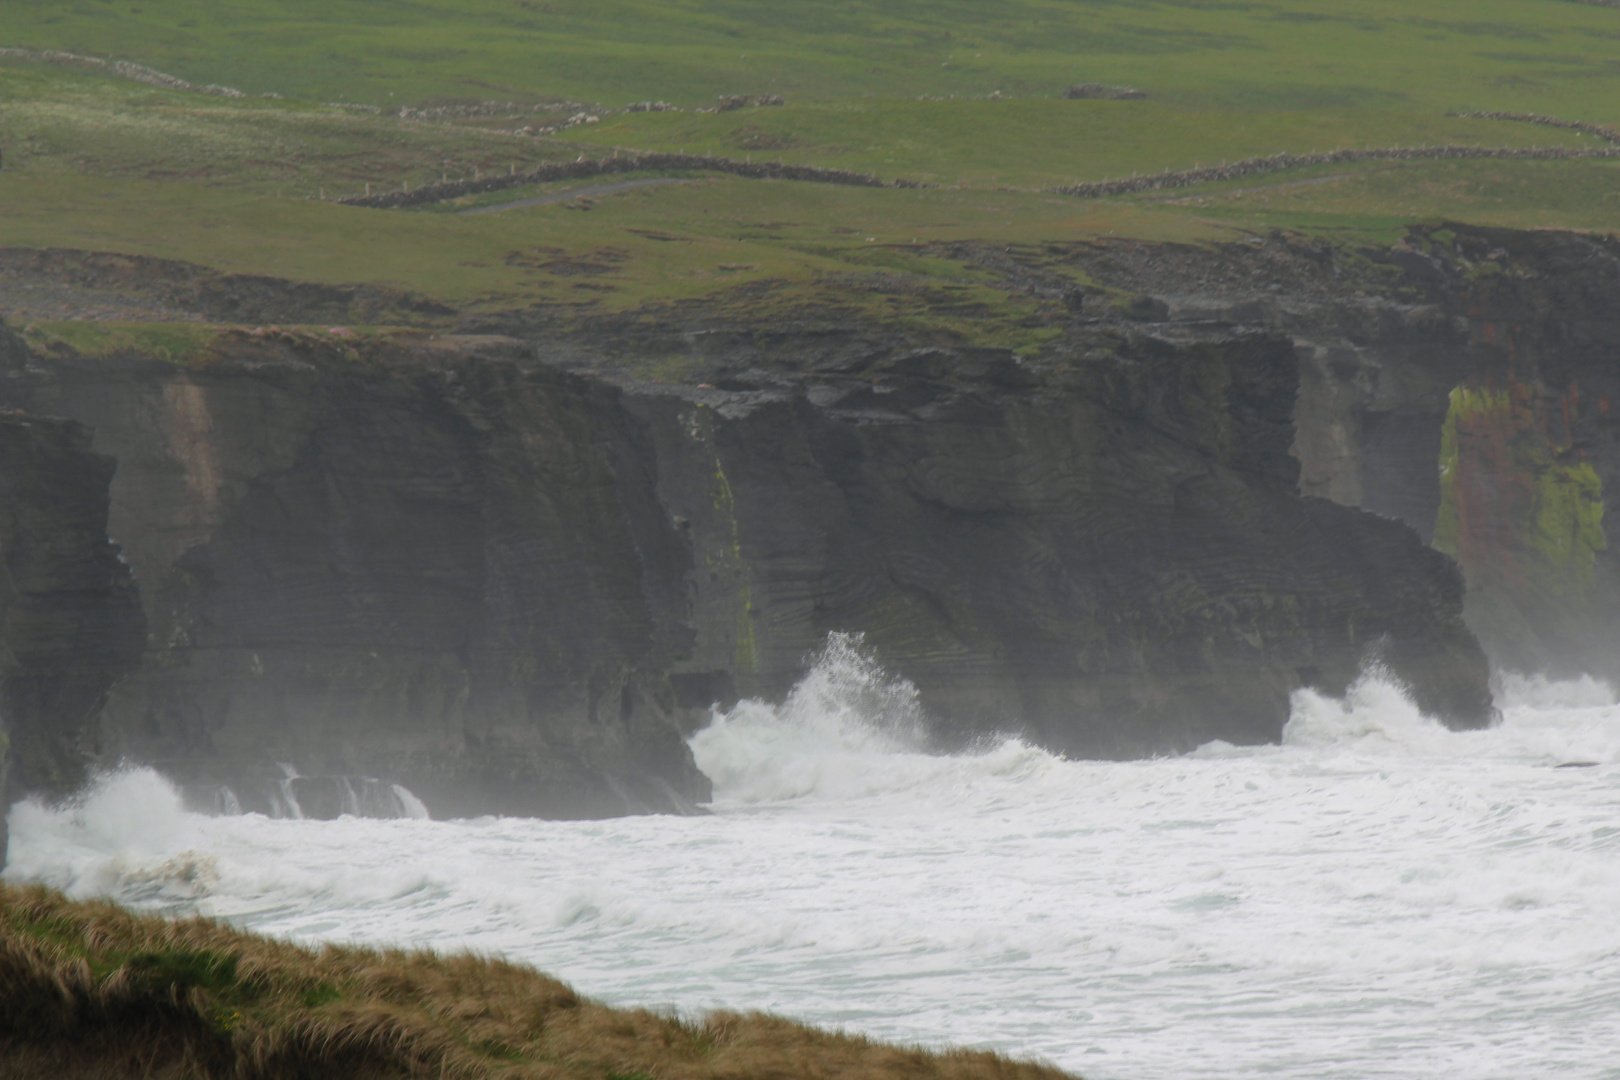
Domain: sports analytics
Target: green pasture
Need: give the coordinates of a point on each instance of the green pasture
(761, 247)
(101, 163)
(767, 249)
(70, 121)
(1551, 56)
(1376, 200)
(1038, 143)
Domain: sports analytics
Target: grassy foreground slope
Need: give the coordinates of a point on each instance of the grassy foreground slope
(89, 990)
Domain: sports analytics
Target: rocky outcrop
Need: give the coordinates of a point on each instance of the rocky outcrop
(1459, 380)
(1102, 91)
(69, 618)
(447, 574)
(1102, 549)
(142, 287)
(1510, 383)
(507, 574)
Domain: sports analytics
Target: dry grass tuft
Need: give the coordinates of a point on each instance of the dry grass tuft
(89, 991)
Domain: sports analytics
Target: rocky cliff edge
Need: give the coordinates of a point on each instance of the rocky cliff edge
(507, 575)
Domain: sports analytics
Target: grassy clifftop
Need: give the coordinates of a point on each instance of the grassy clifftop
(89, 990)
(1547, 55)
(964, 98)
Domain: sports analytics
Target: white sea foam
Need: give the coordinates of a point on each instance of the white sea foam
(1375, 897)
(1518, 691)
(125, 823)
(846, 731)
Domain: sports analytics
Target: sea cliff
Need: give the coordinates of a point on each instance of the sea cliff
(1459, 380)
(507, 567)
(70, 620)
(507, 571)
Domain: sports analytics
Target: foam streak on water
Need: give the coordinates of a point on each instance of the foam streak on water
(1377, 897)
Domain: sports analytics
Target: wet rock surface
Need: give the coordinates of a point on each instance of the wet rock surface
(67, 284)
(433, 574)
(70, 620)
(503, 572)
(1459, 380)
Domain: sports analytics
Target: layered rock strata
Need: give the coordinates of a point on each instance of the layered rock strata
(457, 565)
(446, 573)
(1460, 380)
(70, 620)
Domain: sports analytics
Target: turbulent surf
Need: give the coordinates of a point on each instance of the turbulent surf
(1375, 897)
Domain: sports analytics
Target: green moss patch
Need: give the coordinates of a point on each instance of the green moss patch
(1516, 507)
(183, 344)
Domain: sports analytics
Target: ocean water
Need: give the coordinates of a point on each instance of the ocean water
(1376, 897)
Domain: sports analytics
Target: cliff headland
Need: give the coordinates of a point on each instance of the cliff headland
(510, 567)
(487, 511)
(447, 409)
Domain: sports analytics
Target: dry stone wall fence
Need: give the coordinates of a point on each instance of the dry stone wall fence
(1277, 162)
(611, 166)
(1103, 92)
(136, 72)
(1608, 135)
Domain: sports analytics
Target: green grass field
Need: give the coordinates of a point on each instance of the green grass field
(1038, 143)
(1547, 55)
(100, 163)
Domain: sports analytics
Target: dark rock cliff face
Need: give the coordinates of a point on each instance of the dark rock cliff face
(1460, 381)
(447, 574)
(1103, 550)
(452, 564)
(70, 621)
